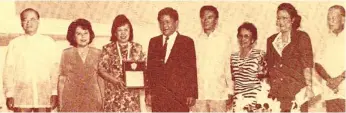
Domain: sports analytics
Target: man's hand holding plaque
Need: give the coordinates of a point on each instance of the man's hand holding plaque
(134, 77)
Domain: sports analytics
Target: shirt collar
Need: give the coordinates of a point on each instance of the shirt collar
(279, 36)
(32, 36)
(215, 33)
(172, 36)
(341, 34)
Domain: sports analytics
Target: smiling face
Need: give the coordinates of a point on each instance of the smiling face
(208, 20)
(123, 33)
(82, 36)
(245, 39)
(284, 21)
(335, 19)
(30, 22)
(168, 25)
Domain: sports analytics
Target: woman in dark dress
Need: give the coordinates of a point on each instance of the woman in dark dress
(79, 85)
(289, 58)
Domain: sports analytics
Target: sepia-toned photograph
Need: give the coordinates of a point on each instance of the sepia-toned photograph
(172, 56)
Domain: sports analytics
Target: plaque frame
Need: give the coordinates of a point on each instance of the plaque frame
(136, 66)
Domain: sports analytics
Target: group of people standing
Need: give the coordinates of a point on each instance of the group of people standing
(198, 74)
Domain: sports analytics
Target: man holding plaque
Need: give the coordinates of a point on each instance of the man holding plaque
(171, 67)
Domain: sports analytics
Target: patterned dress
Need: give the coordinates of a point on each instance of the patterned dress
(246, 82)
(117, 97)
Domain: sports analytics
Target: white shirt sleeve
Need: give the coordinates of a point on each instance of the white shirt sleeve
(8, 74)
(230, 83)
(319, 51)
(54, 73)
(227, 68)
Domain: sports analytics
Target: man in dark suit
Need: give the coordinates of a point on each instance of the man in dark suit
(171, 67)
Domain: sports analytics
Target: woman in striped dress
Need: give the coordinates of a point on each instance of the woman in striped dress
(247, 65)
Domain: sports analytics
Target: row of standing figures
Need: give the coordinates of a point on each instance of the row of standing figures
(88, 79)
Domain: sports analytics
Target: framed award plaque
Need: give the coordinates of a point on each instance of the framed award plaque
(134, 74)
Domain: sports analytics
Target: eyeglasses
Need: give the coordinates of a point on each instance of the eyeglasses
(243, 36)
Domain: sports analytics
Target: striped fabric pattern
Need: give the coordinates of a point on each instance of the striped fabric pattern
(244, 73)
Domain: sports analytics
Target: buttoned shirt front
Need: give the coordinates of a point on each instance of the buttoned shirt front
(213, 66)
(31, 71)
(331, 55)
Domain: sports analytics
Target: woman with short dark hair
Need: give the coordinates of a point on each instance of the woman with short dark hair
(247, 66)
(79, 85)
(119, 98)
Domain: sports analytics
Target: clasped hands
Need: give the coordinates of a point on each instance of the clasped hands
(333, 83)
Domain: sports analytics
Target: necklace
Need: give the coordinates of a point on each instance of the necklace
(83, 52)
(119, 52)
